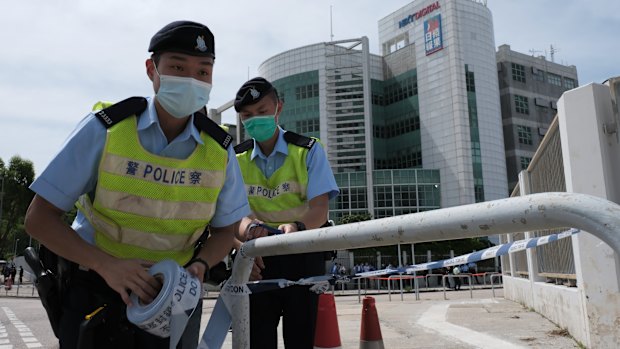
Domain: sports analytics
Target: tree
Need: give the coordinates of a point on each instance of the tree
(17, 178)
(360, 217)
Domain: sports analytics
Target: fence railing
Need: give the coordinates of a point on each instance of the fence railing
(597, 216)
(546, 174)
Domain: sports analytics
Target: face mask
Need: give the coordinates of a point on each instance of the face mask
(262, 127)
(181, 96)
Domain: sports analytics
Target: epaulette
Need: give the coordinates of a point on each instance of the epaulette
(119, 111)
(299, 140)
(203, 123)
(244, 146)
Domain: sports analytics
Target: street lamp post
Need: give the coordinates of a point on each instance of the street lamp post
(15, 250)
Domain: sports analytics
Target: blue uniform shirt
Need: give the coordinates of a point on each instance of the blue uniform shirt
(320, 176)
(74, 169)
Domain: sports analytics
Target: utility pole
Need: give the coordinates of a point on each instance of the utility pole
(331, 28)
(553, 50)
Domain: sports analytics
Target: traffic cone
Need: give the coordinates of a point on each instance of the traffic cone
(327, 334)
(370, 334)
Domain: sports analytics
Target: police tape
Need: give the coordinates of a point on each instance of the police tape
(221, 319)
(168, 314)
(491, 252)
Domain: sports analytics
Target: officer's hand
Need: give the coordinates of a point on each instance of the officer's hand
(130, 275)
(255, 231)
(288, 228)
(198, 270)
(257, 269)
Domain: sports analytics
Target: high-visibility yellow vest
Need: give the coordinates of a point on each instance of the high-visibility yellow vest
(281, 198)
(153, 207)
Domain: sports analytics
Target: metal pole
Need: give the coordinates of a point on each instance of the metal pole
(594, 215)
(597, 216)
(15, 250)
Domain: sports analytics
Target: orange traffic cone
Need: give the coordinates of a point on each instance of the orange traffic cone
(327, 334)
(370, 334)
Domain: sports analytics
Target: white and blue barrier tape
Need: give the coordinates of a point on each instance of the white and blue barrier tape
(473, 257)
(169, 313)
(217, 329)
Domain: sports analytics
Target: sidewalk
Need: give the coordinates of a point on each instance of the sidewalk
(432, 322)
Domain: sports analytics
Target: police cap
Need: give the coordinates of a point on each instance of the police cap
(184, 37)
(253, 91)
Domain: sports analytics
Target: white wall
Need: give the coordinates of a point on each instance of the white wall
(590, 312)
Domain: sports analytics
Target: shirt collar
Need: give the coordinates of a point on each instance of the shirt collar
(149, 118)
(281, 146)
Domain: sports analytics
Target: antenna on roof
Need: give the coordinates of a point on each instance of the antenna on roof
(534, 52)
(331, 28)
(553, 50)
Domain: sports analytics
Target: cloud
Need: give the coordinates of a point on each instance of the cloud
(60, 57)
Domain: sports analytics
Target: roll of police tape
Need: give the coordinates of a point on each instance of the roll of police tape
(168, 314)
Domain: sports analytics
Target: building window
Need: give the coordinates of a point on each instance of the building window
(569, 83)
(358, 198)
(522, 105)
(307, 126)
(398, 91)
(524, 133)
(469, 81)
(518, 72)
(479, 193)
(525, 162)
(307, 91)
(554, 79)
(538, 74)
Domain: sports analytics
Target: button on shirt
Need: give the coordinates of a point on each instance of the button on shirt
(320, 176)
(74, 170)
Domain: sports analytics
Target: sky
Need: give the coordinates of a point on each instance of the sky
(58, 58)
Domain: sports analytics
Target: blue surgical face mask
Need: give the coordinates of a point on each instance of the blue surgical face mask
(182, 96)
(261, 127)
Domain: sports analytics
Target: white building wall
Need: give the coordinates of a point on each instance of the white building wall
(592, 166)
(591, 157)
(476, 37)
(467, 31)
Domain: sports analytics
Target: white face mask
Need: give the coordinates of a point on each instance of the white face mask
(182, 96)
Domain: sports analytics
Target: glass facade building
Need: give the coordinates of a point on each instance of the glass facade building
(413, 129)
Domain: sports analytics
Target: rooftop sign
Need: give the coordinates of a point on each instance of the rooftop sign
(415, 16)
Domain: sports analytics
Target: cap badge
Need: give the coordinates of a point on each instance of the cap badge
(255, 94)
(200, 44)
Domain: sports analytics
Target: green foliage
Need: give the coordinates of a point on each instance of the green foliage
(15, 200)
(355, 218)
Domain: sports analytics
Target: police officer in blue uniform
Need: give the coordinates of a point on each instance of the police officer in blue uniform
(259, 109)
(169, 125)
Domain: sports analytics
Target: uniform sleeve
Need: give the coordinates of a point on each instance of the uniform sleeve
(320, 176)
(73, 170)
(232, 203)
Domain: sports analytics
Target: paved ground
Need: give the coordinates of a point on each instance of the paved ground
(483, 321)
(458, 322)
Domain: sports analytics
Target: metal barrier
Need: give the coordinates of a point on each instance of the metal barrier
(401, 278)
(497, 275)
(439, 277)
(468, 276)
(597, 216)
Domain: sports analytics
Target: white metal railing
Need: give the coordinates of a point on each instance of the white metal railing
(597, 216)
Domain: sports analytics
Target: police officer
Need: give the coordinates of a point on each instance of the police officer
(149, 175)
(289, 183)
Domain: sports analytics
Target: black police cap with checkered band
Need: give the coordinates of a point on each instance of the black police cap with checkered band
(253, 91)
(184, 37)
